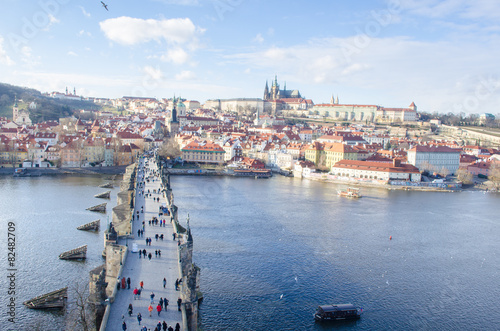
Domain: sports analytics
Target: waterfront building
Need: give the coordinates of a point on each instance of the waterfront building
(203, 152)
(327, 154)
(376, 170)
(70, 154)
(303, 169)
(482, 167)
(434, 158)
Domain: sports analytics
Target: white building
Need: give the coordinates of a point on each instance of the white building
(376, 170)
(437, 158)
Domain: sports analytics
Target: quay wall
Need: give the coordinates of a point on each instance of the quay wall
(121, 226)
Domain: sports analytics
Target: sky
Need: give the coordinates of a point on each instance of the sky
(442, 55)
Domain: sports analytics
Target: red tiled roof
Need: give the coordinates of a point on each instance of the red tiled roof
(376, 166)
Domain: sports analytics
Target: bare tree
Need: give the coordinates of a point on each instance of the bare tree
(494, 175)
(322, 163)
(169, 149)
(81, 315)
(444, 171)
(465, 176)
(426, 166)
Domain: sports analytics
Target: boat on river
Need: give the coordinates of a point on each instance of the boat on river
(337, 312)
(351, 192)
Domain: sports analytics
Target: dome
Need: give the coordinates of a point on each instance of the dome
(180, 105)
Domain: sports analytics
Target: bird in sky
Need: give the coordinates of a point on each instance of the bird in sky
(105, 6)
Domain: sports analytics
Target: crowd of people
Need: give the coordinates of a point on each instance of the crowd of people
(147, 175)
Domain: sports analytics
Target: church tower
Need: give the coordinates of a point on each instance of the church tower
(20, 117)
(173, 124)
(266, 92)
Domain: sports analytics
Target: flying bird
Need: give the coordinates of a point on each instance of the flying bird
(105, 5)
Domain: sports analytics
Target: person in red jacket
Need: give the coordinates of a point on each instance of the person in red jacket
(158, 309)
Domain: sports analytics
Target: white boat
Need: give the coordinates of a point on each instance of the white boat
(351, 192)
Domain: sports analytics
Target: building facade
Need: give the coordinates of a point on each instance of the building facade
(434, 158)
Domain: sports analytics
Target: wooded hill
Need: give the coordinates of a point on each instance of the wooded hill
(46, 108)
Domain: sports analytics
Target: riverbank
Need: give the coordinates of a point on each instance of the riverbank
(88, 171)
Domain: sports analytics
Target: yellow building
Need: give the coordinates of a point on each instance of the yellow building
(203, 152)
(327, 154)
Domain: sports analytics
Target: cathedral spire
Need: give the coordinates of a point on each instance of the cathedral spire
(332, 100)
(337, 101)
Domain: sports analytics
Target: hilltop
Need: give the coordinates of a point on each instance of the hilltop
(46, 108)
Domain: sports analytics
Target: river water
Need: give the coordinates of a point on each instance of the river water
(46, 212)
(272, 250)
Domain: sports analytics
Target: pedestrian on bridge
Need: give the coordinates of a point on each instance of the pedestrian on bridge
(150, 309)
(158, 309)
(141, 284)
(152, 296)
(164, 282)
(130, 309)
(139, 318)
(165, 303)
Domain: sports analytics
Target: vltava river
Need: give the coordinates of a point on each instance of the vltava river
(271, 251)
(46, 211)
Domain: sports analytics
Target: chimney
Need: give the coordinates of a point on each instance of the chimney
(396, 163)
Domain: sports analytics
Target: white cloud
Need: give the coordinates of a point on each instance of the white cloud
(176, 35)
(185, 75)
(258, 38)
(84, 12)
(154, 73)
(71, 53)
(4, 58)
(478, 9)
(84, 33)
(175, 55)
(130, 31)
(52, 20)
(28, 58)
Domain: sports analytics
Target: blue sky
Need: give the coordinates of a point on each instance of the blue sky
(443, 55)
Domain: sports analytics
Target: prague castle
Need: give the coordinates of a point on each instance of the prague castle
(275, 93)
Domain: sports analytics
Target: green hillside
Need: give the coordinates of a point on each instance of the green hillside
(46, 108)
